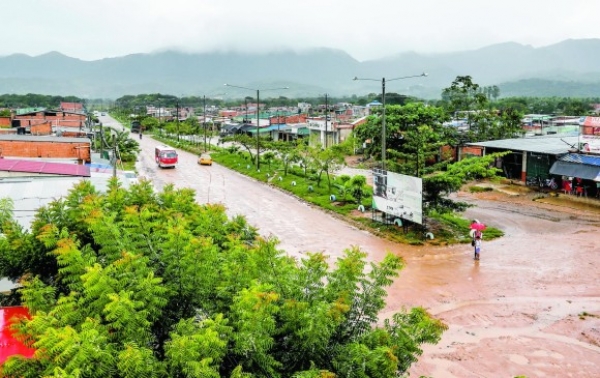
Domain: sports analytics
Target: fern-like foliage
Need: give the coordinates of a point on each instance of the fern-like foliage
(132, 283)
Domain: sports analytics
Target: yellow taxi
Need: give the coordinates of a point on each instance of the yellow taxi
(205, 159)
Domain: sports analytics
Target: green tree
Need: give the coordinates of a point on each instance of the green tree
(419, 153)
(246, 141)
(399, 119)
(287, 152)
(487, 125)
(439, 184)
(128, 148)
(327, 161)
(357, 186)
(149, 123)
(157, 285)
(464, 94)
(269, 157)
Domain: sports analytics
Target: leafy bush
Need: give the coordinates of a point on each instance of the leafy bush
(480, 189)
(134, 283)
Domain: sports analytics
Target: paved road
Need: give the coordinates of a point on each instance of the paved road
(299, 227)
(513, 313)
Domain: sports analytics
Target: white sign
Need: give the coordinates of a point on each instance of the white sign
(590, 143)
(398, 195)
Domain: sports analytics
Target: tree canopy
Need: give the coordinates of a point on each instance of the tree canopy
(134, 283)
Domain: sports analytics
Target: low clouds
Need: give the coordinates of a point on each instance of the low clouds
(364, 29)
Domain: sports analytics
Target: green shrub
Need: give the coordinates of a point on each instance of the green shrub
(480, 189)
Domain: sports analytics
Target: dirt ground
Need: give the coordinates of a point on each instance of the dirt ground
(530, 306)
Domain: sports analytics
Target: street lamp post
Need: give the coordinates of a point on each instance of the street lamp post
(326, 115)
(204, 99)
(178, 120)
(383, 131)
(257, 116)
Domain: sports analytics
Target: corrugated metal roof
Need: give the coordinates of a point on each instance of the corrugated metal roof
(582, 159)
(32, 166)
(552, 145)
(584, 171)
(30, 193)
(277, 126)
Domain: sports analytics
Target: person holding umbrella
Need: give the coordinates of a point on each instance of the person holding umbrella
(477, 235)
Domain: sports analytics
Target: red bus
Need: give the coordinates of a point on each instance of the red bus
(165, 156)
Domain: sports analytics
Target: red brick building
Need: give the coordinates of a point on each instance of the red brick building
(46, 147)
(58, 119)
(72, 107)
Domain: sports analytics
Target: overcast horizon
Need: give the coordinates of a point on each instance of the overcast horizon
(366, 31)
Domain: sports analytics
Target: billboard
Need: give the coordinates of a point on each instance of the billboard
(590, 143)
(398, 195)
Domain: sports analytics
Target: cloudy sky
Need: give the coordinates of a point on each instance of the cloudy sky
(365, 29)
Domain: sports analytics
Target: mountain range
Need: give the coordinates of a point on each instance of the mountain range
(566, 69)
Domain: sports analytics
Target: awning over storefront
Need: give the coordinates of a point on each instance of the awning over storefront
(577, 165)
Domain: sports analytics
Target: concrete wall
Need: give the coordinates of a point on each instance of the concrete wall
(57, 119)
(49, 149)
(44, 128)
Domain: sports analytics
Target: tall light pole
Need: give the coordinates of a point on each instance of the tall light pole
(178, 119)
(257, 115)
(326, 115)
(383, 132)
(204, 99)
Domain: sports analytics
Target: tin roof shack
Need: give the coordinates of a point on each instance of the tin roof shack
(26, 146)
(529, 158)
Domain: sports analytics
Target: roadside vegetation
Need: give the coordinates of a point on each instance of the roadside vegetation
(135, 283)
(138, 283)
(415, 136)
(311, 175)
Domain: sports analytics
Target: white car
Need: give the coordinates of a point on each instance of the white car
(131, 177)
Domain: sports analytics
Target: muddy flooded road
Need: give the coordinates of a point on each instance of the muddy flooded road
(530, 306)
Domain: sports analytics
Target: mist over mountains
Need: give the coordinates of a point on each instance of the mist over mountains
(566, 69)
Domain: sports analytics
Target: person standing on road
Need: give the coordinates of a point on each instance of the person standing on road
(140, 134)
(477, 246)
(476, 236)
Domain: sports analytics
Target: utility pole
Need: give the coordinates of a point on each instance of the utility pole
(383, 131)
(257, 117)
(115, 156)
(101, 140)
(257, 130)
(326, 116)
(204, 97)
(178, 120)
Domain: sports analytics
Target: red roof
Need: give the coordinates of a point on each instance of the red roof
(591, 121)
(34, 166)
(9, 346)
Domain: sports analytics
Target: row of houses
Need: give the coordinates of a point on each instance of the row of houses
(63, 133)
(552, 147)
(562, 157)
(43, 154)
